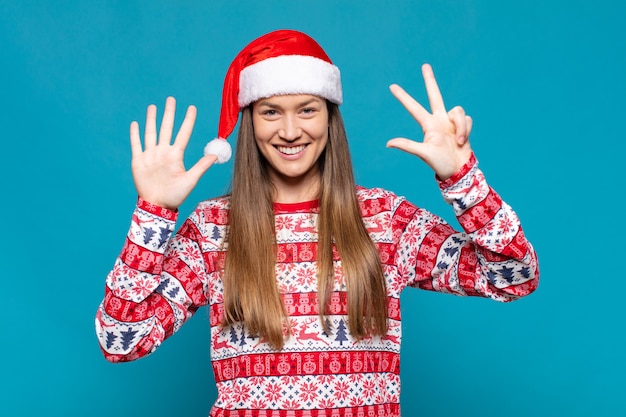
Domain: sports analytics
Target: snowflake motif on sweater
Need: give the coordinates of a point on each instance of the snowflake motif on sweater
(161, 279)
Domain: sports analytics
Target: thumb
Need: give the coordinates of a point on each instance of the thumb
(202, 166)
(407, 145)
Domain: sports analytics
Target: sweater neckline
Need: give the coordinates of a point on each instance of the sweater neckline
(300, 207)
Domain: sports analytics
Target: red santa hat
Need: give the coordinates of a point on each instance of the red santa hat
(278, 63)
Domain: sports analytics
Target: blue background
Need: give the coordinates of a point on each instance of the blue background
(543, 80)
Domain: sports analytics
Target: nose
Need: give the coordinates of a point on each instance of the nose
(290, 129)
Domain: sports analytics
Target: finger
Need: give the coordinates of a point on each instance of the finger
(468, 130)
(407, 145)
(432, 90)
(184, 133)
(200, 167)
(167, 124)
(457, 117)
(135, 140)
(416, 110)
(469, 122)
(150, 132)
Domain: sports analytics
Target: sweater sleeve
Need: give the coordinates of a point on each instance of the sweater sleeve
(491, 257)
(155, 286)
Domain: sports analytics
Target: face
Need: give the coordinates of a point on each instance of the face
(291, 132)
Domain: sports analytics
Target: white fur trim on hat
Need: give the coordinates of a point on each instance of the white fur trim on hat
(220, 148)
(289, 74)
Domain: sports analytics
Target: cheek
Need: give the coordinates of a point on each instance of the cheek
(319, 130)
(262, 132)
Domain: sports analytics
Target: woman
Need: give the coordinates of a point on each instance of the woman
(301, 269)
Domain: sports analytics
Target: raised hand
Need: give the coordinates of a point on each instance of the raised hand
(445, 147)
(158, 169)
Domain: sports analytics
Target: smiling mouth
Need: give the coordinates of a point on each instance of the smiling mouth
(290, 150)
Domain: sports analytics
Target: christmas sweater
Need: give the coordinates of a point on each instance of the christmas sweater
(161, 279)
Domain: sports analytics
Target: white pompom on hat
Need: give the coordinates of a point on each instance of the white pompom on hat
(278, 63)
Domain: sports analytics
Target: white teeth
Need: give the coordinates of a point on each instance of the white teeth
(290, 150)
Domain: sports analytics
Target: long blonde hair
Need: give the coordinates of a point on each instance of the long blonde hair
(250, 291)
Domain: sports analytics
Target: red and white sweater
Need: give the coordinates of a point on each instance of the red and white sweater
(161, 279)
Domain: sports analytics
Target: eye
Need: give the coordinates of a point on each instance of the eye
(308, 111)
(269, 113)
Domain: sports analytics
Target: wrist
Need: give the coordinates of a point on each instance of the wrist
(157, 209)
(460, 173)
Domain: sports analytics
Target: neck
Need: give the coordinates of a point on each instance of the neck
(295, 190)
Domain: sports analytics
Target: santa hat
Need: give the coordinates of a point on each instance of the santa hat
(278, 63)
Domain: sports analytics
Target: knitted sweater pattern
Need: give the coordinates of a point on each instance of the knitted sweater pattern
(161, 279)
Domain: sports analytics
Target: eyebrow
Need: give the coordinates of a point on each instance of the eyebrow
(268, 103)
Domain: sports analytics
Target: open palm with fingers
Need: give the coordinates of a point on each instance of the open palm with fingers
(158, 168)
(445, 147)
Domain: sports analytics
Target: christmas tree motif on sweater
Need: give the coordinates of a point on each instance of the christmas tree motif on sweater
(215, 233)
(451, 251)
(147, 235)
(233, 335)
(442, 265)
(342, 335)
(457, 240)
(242, 339)
(162, 285)
(163, 236)
(127, 338)
(507, 273)
(110, 339)
(525, 272)
(173, 292)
